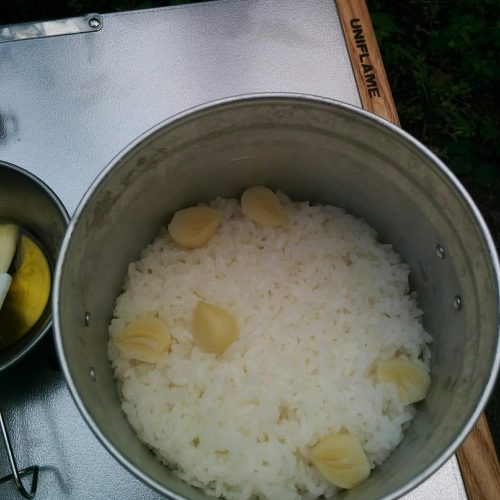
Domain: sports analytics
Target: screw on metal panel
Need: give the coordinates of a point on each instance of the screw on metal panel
(457, 302)
(87, 319)
(92, 373)
(95, 23)
(440, 252)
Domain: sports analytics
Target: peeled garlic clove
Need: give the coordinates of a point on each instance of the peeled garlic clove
(411, 379)
(341, 460)
(146, 339)
(9, 234)
(262, 205)
(214, 329)
(29, 291)
(193, 227)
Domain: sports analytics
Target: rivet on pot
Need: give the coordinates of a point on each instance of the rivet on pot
(87, 319)
(92, 373)
(457, 302)
(440, 251)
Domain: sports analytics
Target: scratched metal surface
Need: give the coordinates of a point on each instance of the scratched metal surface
(68, 104)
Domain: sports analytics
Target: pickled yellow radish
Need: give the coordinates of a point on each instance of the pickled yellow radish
(341, 460)
(262, 205)
(28, 294)
(214, 329)
(193, 227)
(146, 339)
(411, 379)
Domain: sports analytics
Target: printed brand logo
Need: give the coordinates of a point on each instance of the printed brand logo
(364, 58)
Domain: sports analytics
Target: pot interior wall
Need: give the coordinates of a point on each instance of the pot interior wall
(312, 151)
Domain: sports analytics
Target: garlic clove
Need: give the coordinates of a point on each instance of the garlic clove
(193, 227)
(262, 205)
(214, 329)
(411, 379)
(341, 460)
(145, 339)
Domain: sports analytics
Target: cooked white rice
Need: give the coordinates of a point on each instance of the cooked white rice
(317, 303)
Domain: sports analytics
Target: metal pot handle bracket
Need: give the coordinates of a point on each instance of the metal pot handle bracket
(16, 473)
(58, 27)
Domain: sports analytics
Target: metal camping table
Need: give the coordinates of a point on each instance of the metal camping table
(72, 95)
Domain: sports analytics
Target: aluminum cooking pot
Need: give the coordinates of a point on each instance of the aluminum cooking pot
(317, 150)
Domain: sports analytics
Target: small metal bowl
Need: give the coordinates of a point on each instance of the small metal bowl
(30, 203)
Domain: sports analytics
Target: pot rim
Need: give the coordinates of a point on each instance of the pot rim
(277, 97)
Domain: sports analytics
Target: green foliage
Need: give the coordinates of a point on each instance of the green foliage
(441, 59)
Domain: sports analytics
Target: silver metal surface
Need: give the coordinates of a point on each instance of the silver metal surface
(27, 201)
(43, 29)
(314, 150)
(445, 484)
(68, 104)
(18, 475)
